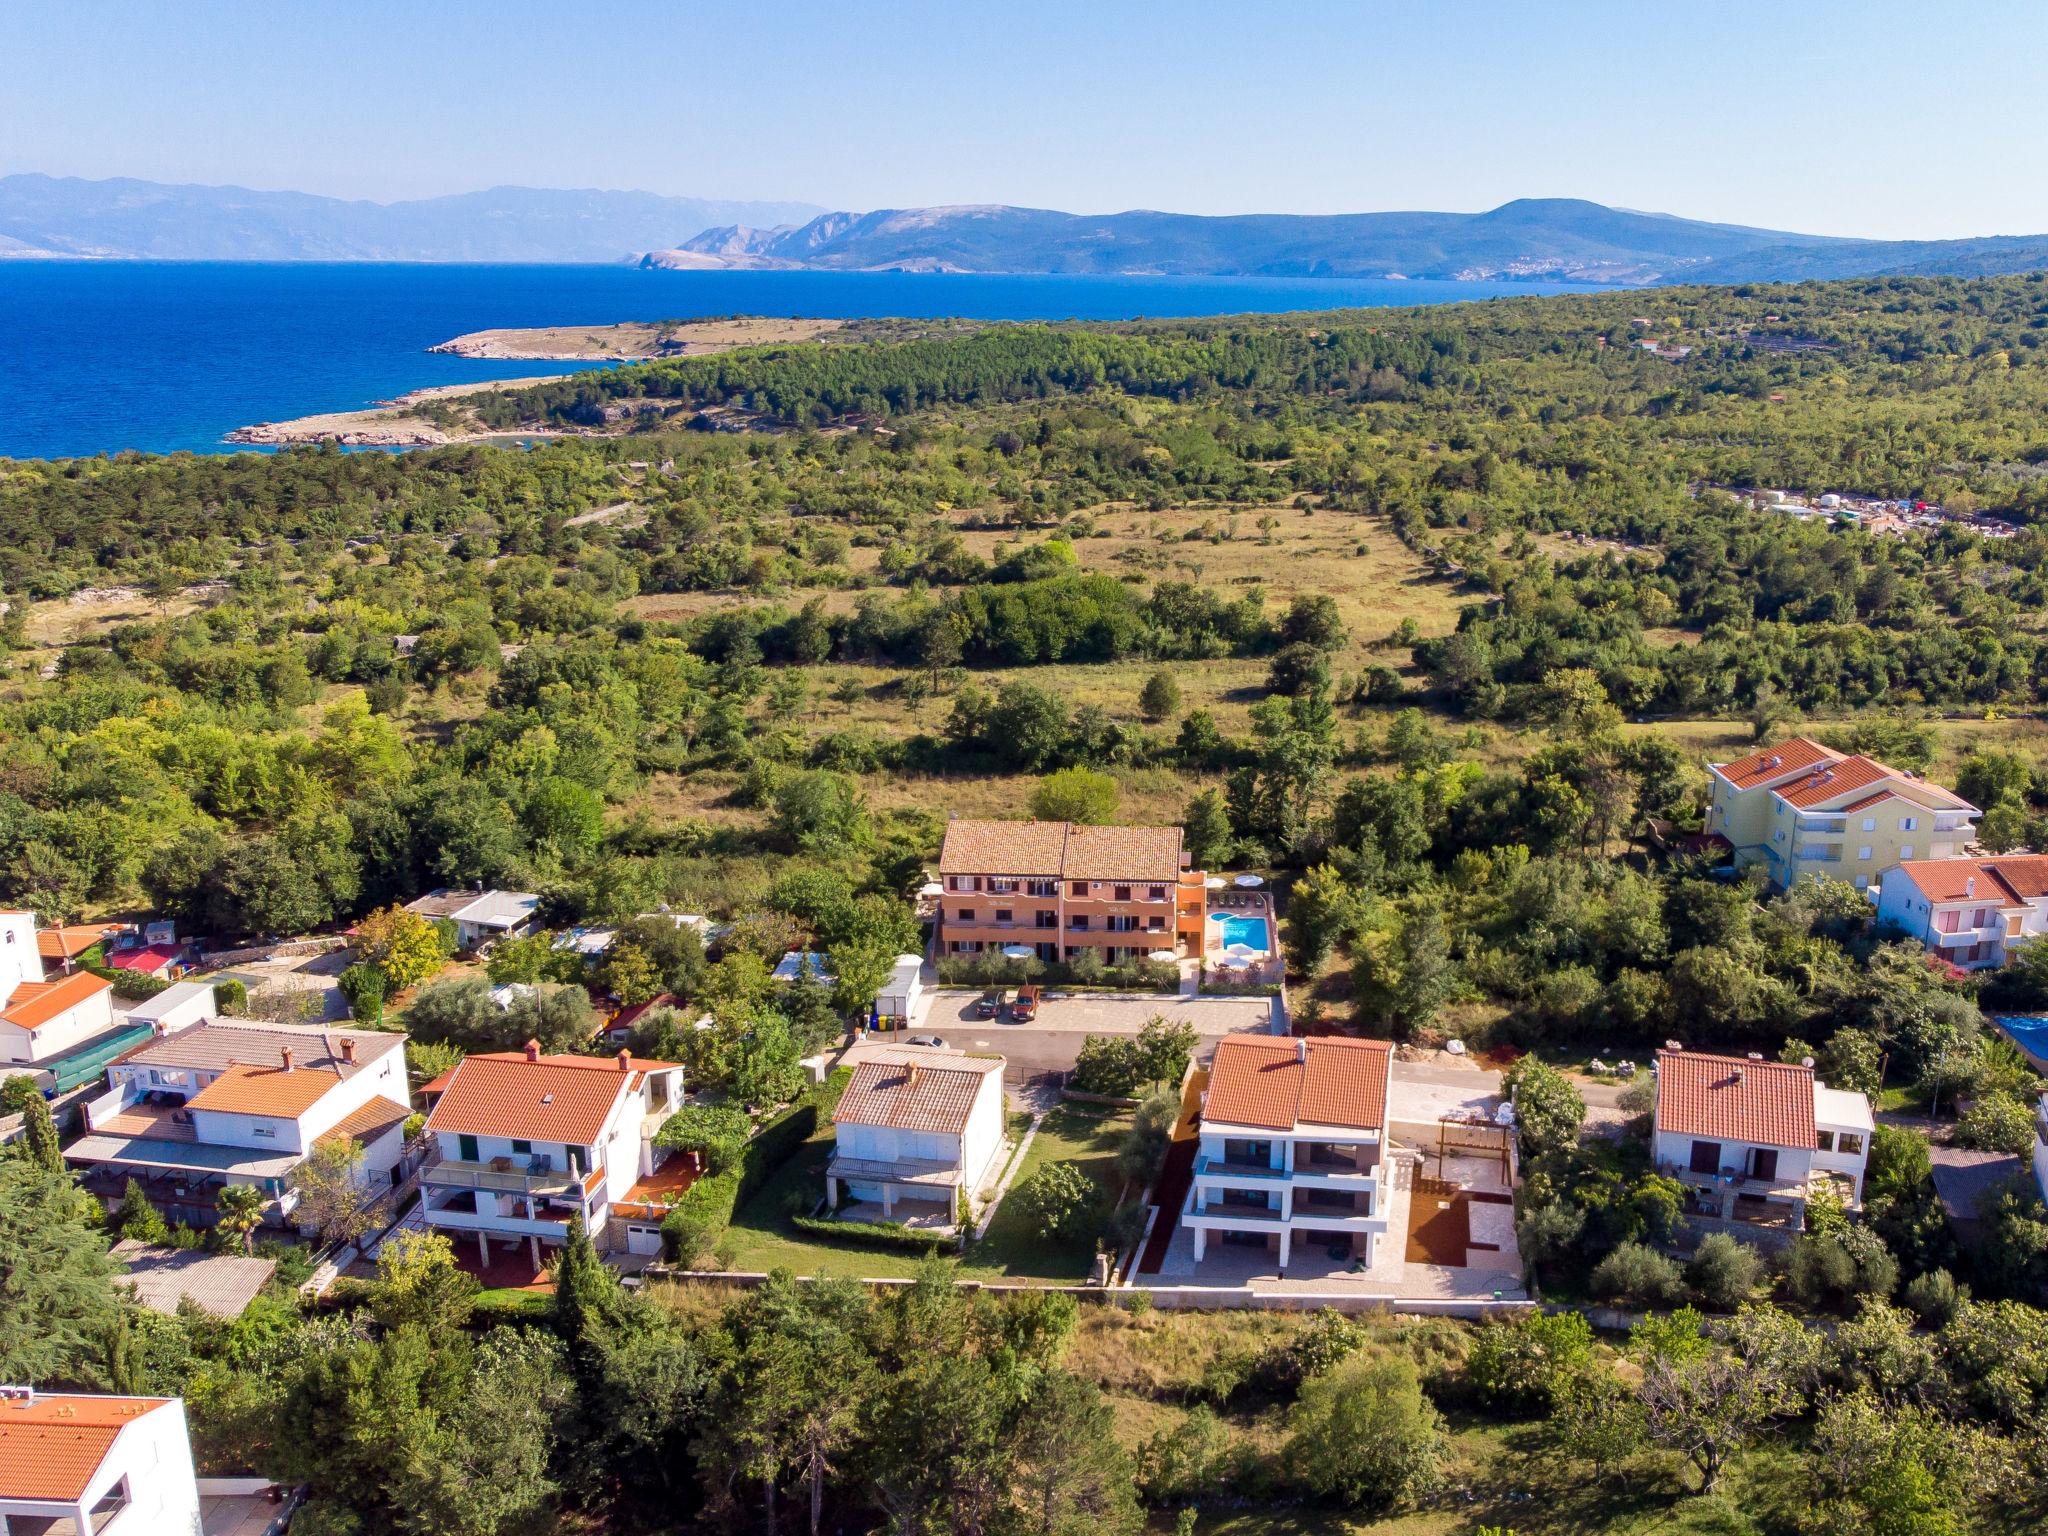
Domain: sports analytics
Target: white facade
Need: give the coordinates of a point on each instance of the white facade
(1969, 912)
(179, 1006)
(917, 1124)
(1253, 1182)
(897, 1001)
(143, 1484)
(30, 1032)
(148, 1126)
(493, 1185)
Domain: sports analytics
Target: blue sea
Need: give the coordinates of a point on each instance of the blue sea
(98, 357)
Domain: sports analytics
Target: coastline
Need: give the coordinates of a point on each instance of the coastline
(395, 423)
(633, 341)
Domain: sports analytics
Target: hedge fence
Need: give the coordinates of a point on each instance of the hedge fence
(704, 1210)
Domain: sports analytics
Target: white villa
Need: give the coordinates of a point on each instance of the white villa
(1292, 1141)
(526, 1141)
(115, 1466)
(1969, 912)
(1751, 1139)
(480, 917)
(916, 1128)
(227, 1103)
(41, 1020)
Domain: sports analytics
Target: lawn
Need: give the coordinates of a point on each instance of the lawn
(761, 1238)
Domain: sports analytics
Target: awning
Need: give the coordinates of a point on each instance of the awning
(178, 1156)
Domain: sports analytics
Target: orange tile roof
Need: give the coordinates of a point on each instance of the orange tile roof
(1279, 1084)
(1003, 847)
(36, 1003)
(909, 1093)
(1775, 762)
(1060, 848)
(1828, 780)
(371, 1120)
(1727, 1098)
(2009, 880)
(247, 1090)
(51, 1445)
(70, 940)
(558, 1099)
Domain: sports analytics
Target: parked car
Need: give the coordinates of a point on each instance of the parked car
(1025, 1008)
(928, 1040)
(989, 1004)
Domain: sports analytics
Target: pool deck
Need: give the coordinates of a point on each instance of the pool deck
(1238, 906)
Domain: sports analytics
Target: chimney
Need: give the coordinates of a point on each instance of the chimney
(1756, 1055)
(1301, 1047)
(625, 1060)
(910, 1076)
(533, 1050)
(1970, 886)
(1673, 1045)
(1735, 1077)
(286, 1053)
(348, 1051)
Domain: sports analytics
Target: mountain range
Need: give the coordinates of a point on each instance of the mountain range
(1530, 238)
(148, 220)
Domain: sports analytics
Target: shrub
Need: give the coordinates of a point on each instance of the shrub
(1059, 1201)
(1998, 1122)
(1723, 1271)
(1367, 1435)
(693, 1229)
(136, 1218)
(716, 1132)
(1548, 1109)
(1643, 1276)
(1934, 1297)
(230, 996)
(698, 1219)
(15, 1093)
(874, 1234)
(362, 985)
(1832, 1268)
(1519, 1364)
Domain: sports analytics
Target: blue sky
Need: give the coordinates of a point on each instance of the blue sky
(1883, 119)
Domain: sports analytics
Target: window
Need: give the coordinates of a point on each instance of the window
(1849, 1144)
(1122, 892)
(522, 1148)
(1078, 888)
(1048, 919)
(1706, 1157)
(1155, 924)
(1863, 852)
(1002, 887)
(465, 1148)
(1005, 915)
(1155, 893)
(1905, 850)
(1947, 922)
(1042, 887)
(1870, 823)
(1078, 922)
(1862, 881)
(964, 915)
(1909, 823)
(269, 1132)
(1824, 1141)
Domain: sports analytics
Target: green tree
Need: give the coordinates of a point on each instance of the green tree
(1160, 697)
(58, 1305)
(39, 1141)
(239, 1212)
(335, 1199)
(1069, 1475)
(1206, 830)
(1059, 1201)
(1322, 911)
(362, 987)
(136, 1218)
(1076, 794)
(1548, 1109)
(1367, 1435)
(419, 1284)
(405, 946)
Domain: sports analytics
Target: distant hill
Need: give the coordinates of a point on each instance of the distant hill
(64, 216)
(1532, 238)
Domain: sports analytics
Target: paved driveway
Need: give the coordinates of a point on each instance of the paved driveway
(1039, 1052)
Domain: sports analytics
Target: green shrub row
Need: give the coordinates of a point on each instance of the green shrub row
(874, 1234)
(704, 1210)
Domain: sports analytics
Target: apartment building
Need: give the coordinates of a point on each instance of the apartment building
(1969, 912)
(1293, 1142)
(1801, 808)
(526, 1141)
(223, 1103)
(74, 1462)
(1751, 1139)
(1059, 889)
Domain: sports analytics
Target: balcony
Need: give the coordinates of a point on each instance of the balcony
(1963, 936)
(1247, 1218)
(502, 1178)
(1226, 1171)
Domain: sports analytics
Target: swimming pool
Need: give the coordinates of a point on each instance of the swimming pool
(2028, 1033)
(1248, 931)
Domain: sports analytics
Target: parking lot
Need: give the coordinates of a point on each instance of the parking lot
(1039, 1052)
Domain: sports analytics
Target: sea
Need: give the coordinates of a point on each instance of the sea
(168, 357)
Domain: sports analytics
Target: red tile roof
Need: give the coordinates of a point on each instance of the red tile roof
(36, 1003)
(372, 1120)
(251, 1090)
(1279, 1084)
(2009, 880)
(562, 1099)
(916, 1090)
(1728, 1098)
(1829, 780)
(1775, 762)
(51, 1445)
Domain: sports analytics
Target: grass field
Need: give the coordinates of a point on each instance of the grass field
(761, 1238)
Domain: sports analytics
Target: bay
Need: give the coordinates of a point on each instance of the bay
(101, 357)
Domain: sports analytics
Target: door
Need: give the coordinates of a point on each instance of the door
(1763, 1163)
(1706, 1157)
(465, 1147)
